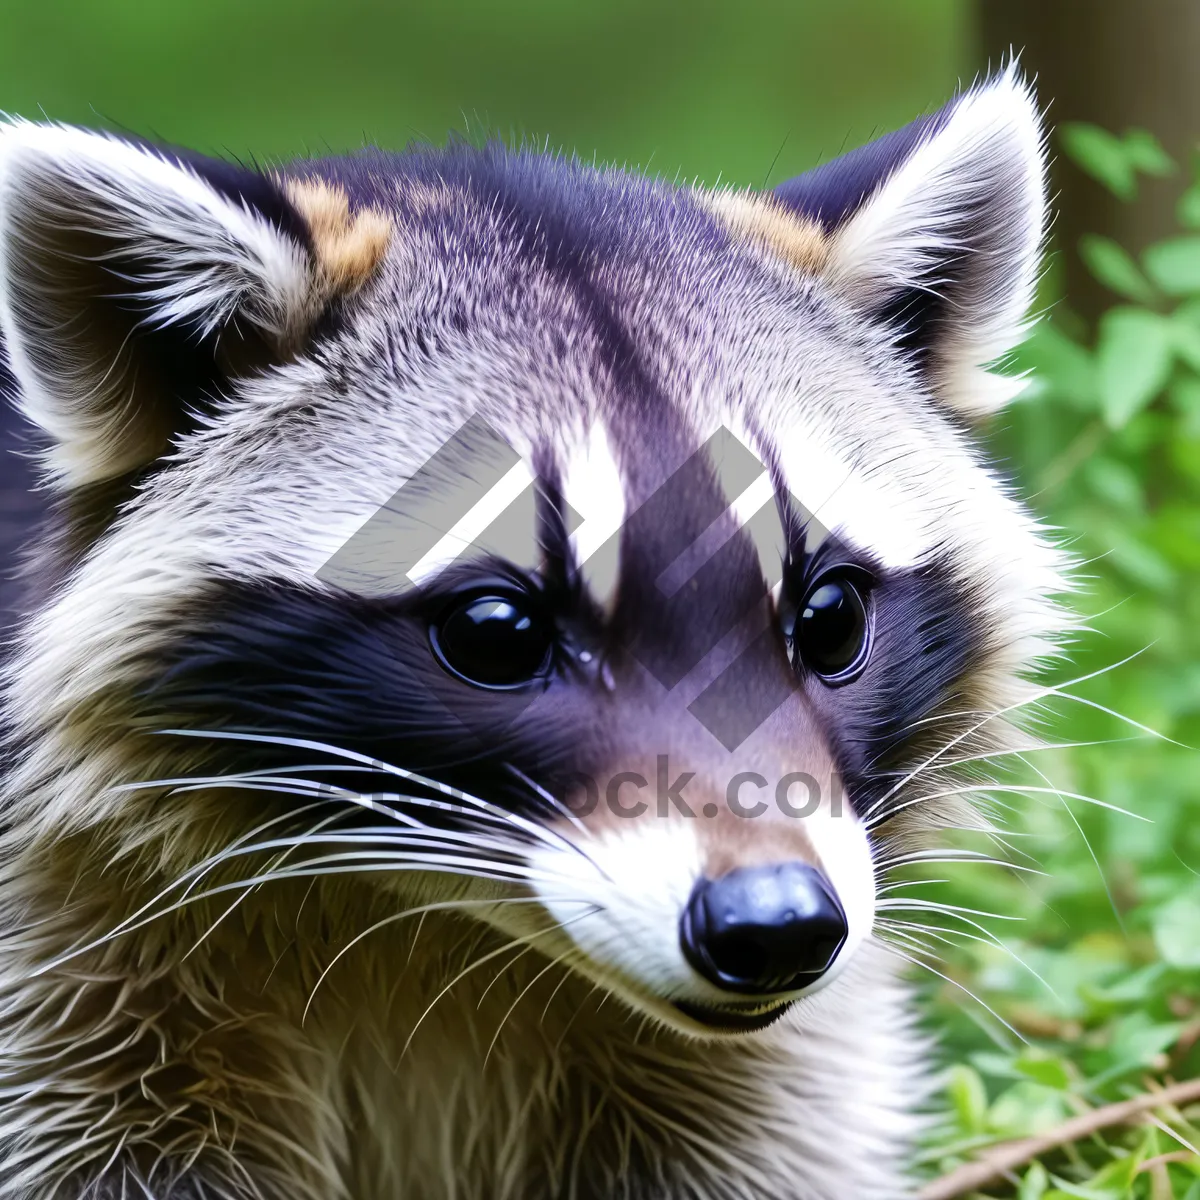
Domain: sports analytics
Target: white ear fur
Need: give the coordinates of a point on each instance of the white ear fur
(96, 231)
(962, 217)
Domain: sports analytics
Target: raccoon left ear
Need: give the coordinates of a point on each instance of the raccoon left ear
(937, 230)
(139, 283)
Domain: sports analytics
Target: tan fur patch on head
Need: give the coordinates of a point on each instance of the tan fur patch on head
(349, 246)
(746, 214)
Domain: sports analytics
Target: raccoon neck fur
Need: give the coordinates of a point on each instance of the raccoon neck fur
(263, 1048)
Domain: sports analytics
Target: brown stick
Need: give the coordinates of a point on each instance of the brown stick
(997, 1160)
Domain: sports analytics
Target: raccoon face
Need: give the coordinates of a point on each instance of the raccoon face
(607, 560)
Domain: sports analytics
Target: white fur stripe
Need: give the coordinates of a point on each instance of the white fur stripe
(870, 511)
(593, 487)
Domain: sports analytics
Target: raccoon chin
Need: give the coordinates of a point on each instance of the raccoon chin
(716, 1022)
(734, 1018)
(692, 1018)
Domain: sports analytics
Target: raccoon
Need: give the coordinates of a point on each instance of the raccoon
(498, 624)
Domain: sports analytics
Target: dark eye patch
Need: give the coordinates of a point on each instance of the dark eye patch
(926, 638)
(359, 674)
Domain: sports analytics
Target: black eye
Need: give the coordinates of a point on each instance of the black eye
(832, 630)
(493, 641)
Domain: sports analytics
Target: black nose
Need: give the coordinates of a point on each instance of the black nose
(763, 929)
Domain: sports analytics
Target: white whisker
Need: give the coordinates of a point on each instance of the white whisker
(954, 983)
(538, 832)
(983, 934)
(1036, 695)
(554, 962)
(556, 928)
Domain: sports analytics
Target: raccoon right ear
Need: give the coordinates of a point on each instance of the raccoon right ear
(137, 283)
(936, 231)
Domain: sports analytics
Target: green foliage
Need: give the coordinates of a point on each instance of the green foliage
(1115, 161)
(1093, 995)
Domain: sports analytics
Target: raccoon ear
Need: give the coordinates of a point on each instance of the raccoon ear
(937, 230)
(136, 283)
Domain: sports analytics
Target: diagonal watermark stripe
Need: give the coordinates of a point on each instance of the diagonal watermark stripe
(381, 556)
(476, 494)
(470, 529)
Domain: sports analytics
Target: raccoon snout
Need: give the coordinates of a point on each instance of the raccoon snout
(764, 929)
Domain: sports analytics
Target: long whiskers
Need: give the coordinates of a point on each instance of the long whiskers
(552, 801)
(422, 910)
(494, 847)
(494, 954)
(559, 961)
(957, 913)
(456, 796)
(872, 813)
(388, 850)
(1112, 901)
(992, 788)
(892, 948)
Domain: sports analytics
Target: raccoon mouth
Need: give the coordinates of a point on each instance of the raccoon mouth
(735, 1018)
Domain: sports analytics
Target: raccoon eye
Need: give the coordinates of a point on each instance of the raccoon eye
(493, 641)
(831, 636)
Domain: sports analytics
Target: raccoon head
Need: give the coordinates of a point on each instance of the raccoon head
(608, 560)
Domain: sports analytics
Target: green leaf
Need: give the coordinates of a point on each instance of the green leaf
(1076, 1191)
(1048, 1070)
(1134, 353)
(1115, 267)
(1186, 332)
(1116, 1178)
(1145, 153)
(1185, 400)
(1061, 365)
(1102, 155)
(1026, 1108)
(998, 1066)
(1177, 931)
(1138, 1039)
(1188, 208)
(969, 1098)
(1115, 482)
(1137, 987)
(1141, 563)
(1189, 311)
(1035, 1183)
(1115, 161)
(1174, 265)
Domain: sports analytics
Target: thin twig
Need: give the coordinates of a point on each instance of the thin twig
(1173, 1156)
(1007, 1156)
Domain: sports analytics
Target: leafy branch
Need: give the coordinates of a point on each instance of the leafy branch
(995, 1163)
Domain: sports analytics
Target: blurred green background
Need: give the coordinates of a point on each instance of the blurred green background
(1092, 992)
(704, 89)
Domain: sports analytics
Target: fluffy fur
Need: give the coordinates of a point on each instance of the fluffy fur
(244, 950)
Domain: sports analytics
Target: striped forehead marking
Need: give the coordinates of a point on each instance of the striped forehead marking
(592, 485)
(753, 511)
(860, 505)
(820, 490)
